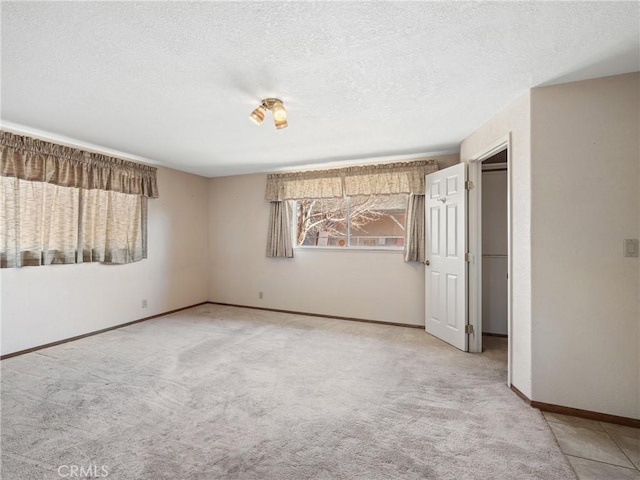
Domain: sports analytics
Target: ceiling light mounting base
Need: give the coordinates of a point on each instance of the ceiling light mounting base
(269, 103)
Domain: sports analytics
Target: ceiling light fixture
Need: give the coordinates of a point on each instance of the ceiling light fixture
(277, 110)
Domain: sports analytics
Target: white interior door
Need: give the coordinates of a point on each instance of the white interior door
(445, 263)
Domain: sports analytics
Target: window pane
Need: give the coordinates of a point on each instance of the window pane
(321, 222)
(378, 221)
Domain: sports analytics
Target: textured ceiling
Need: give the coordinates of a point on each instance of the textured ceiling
(175, 82)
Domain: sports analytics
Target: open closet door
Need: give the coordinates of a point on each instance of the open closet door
(445, 263)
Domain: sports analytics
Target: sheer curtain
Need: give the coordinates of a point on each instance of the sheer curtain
(38, 222)
(116, 220)
(62, 205)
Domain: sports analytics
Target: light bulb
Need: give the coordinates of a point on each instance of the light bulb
(279, 113)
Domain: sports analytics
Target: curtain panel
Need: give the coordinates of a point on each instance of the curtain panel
(36, 160)
(59, 205)
(279, 234)
(383, 179)
(415, 230)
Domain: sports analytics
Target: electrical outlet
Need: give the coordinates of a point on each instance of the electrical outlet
(144, 303)
(260, 295)
(630, 247)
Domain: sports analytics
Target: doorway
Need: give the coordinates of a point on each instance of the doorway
(490, 243)
(494, 245)
(454, 252)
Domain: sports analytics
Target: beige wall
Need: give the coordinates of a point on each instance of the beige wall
(585, 201)
(515, 119)
(368, 285)
(575, 197)
(45, 304)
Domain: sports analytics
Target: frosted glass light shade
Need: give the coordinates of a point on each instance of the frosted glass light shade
(257, 116)
(281, 123)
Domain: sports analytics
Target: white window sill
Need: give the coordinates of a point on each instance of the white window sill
(350, 249)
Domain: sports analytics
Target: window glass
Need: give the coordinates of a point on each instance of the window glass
(376, 221)
(321, 222)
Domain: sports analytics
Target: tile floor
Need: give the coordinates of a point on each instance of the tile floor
(597, 450)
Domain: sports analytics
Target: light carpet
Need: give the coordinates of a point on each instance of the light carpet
(218, 392)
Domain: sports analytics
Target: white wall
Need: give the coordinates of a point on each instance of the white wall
(366, 285)
(585, 201)
(514, 119)
(40, 305)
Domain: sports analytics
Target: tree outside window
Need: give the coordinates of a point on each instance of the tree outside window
(375, 221)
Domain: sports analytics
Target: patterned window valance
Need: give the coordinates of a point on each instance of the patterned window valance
(30, 159)
(382, 179)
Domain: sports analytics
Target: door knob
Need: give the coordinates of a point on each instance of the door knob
(427, 263)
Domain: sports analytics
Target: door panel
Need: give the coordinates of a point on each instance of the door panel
(434, 281)
(446, 272)
(452, 299)
(452, 231)
(435, 231)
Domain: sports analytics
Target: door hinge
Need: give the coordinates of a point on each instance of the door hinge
(468, 185)
(467, 257)
(468, 329)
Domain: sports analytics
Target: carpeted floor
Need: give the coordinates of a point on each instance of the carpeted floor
(219, 392)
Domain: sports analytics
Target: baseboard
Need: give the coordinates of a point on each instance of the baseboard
(577, 412)
(501, 335)
(521, 395)
(84, 335)
(351, 319)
